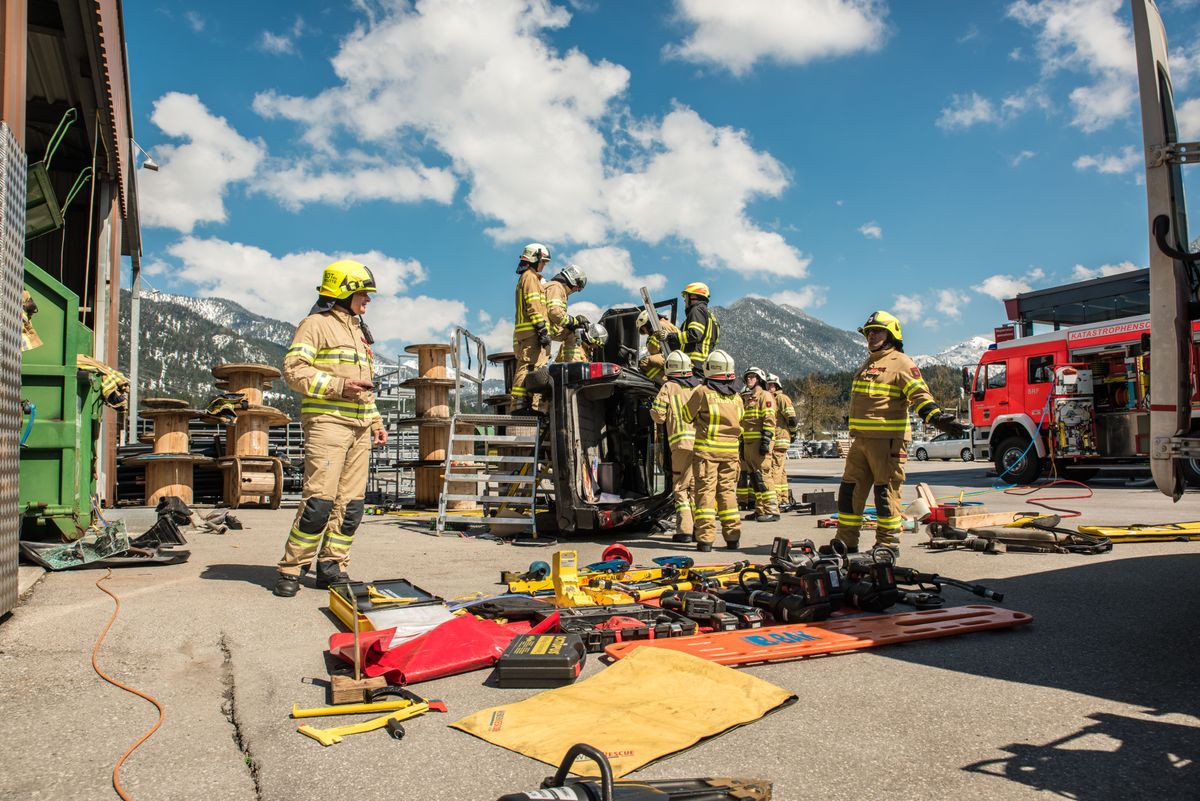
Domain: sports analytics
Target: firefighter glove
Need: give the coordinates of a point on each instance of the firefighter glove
(764, 447)
(672, 340)
(543, 336)
(580, 321)
(946, 422)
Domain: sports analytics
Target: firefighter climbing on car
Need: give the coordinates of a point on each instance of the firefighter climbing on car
(531, 331)
(715, 412)
(652, 362)
(758, 433)
(668, 410)
(564, 325)
(883, 389)
(701, 332)
(330, 364)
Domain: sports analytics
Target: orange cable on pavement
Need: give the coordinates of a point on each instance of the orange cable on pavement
(116, 774)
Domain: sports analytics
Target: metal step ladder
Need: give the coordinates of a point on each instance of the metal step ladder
(508, 473)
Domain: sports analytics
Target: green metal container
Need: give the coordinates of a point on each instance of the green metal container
(58, 456)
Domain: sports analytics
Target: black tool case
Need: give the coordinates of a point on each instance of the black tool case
(657, 624)
(541, 661)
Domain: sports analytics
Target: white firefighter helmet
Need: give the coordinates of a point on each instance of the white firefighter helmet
(678, 363)
(719, 364)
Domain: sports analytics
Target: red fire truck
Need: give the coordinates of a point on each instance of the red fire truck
(1077, 398)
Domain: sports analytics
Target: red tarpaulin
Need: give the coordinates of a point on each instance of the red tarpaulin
(460, 645)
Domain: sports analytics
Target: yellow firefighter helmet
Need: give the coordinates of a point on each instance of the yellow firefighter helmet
(343, 278)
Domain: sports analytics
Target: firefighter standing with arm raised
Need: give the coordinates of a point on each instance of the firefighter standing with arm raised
(531, 333)
(758, 431)
(880, 395)
(653, 363)
(563, 325)
(715, 411)
(785, 434)
(701, 332)
(668, 409)
(330, 364)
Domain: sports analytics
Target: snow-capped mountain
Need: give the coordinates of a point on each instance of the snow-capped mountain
(960, 355)
(786, 340)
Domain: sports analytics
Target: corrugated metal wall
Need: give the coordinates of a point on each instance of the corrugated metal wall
(12, 270)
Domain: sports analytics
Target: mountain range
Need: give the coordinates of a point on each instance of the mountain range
(183, 337)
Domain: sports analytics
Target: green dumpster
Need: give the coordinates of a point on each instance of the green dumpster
(58, 454)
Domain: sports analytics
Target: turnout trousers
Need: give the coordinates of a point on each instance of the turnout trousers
(756, 465)
(716, 499)
(777, 480)
(682, 484)
(873, 465)
(331, 506)
(530, 356)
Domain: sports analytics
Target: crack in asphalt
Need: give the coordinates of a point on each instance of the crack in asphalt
(229, 709)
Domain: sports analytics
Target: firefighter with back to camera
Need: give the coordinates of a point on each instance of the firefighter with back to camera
(668, 410)
(715, 411)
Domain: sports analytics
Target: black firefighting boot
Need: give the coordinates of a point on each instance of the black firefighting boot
(330, 573)
(286, 586)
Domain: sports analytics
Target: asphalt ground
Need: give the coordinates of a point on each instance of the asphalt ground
(1095, 700)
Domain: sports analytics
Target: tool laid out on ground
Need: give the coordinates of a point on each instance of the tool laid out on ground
(1146, 532)
(387, 604)
(409, 706)
(1040, 534)
(561, 786)
(780, 643)
(541, 660)
(598, 626)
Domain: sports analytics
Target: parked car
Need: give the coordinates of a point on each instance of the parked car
(943, 446)
(795, 451)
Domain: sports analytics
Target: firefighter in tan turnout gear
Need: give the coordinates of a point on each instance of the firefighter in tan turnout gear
(653, 362)
(563, 325)
(758, 434)
(715, 411)
(880, 395)
(330, 365)
(785, 434)
(668, 410)
(531, 332)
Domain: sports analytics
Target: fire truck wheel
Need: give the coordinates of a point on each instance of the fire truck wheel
(967, 455)
(1008, 458)
(921, 454)
(1191, 472)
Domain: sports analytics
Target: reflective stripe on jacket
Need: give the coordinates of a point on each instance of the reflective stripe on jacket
(881, 393)
(654, 366)
(531, 302)
(785, 420)
(328, 349)
(668, 409)
(717, 420)
(759, 422)
(556, 312)
(701, 332)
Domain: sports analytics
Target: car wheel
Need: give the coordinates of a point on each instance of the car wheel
(1014, 463)
(967, 455)
(921, 454)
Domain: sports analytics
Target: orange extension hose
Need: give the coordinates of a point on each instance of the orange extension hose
(116, 774)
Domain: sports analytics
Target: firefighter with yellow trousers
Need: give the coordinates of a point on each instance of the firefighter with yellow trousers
(531, 332)
(652, 362)
(785, 423)
(715, 411)
(668, 409)
(701, 332)
(758, 433)
(887, 384)
(330, 364)
(569, 280)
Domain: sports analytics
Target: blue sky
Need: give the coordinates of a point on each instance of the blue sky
(838, 155)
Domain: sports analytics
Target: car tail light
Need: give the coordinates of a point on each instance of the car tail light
(602, 370)
(605, 518)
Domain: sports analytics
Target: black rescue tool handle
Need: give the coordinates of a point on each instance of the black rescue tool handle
(597, 756)
(907, 575)
(1162, 224)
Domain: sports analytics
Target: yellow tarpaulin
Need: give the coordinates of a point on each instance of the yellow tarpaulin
(653, 703)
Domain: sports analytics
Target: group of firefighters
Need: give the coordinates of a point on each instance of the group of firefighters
(727, 434)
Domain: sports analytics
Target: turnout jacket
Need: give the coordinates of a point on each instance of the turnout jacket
(562, 324)
(717, 419)
(785, 420)
(882, 390)
(668, 409)
(327, 349)
(654, 365)
(701, 332)
(531, 305)
(759, 422)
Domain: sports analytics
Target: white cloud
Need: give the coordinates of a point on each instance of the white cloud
(805, 297)
(1001, 287)
(284, 287)
(871, 230)
(190, 186)
(466, 79)
(587, 309)
(950, 303)
(1015, 54)
(1112, 164)
(613, 265)
(299, 185)
(1024, 155)
(736, 35)
(195, 21)
(909, 308)
(1089, 37)
(282, 43)
(695, 186)
(967, 110)
(498, 338)
(972, 32)
(1081, 273)
(1187, 116)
